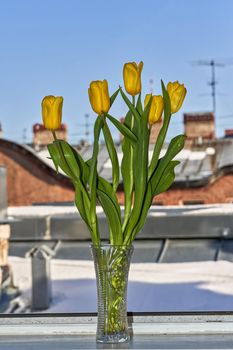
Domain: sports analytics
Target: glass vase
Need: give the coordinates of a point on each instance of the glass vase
(112, 264)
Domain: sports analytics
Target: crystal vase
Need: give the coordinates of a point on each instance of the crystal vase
(112, 264)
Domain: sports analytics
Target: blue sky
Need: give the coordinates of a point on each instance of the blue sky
(58, 46)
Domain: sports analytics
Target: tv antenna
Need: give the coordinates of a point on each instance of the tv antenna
(87, 125)
(151, 85)
(24, 136)
(213, 64)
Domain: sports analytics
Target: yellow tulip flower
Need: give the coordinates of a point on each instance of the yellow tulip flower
(177, 94)
(52, 112)
(132, 77)
(99, 96)
(156, 107)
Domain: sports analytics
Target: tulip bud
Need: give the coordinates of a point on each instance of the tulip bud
(156, 108)
(177, 94)
(99, 96)
(52, 112)
(132, 77)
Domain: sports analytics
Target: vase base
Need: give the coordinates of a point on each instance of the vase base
(111, 339)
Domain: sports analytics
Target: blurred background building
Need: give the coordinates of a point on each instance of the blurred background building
(204, 175)
(42, 137)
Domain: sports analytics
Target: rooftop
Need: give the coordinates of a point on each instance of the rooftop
(198, 164)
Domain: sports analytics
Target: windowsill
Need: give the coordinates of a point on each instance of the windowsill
(150, 330)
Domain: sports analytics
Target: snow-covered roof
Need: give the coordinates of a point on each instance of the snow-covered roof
(195, 164)
(203, 286)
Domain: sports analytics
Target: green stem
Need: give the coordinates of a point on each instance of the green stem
(128, 199)
(54, 135)
(112, 154)
(140, 177)
(158, 146)
(114, 284)
(93, 178)
(163, 132)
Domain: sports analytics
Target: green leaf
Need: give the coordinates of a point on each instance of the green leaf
(79, 170)
(139, 105)
(130, 105)
(70, 159)
(165, 167)
(140, 164)
(109, 202)
(145, 113)
(67, 159)
(93, 169)
(54, 155)
(175, 146)
(129, 120)
(113, 97)
(123, 129)
(162, 133)
(131, 123)
(112, 154)
(82, 206)
(143, 216)
(164, 183)
(127, 170)
(166, 179)
(167, 102)
(112, 217)
(104, 186)
(58, 159)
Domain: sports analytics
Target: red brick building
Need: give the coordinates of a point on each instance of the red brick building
(42, 136)
(199, 125)
(31, 180)
(204, 176)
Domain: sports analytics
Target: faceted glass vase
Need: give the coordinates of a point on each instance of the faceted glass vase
(112, 264)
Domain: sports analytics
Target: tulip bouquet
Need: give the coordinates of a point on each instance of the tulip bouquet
(142, 180)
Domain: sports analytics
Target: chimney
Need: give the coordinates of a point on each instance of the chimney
(199, 125)
(155, 129)
(42, 137)
(228, 133)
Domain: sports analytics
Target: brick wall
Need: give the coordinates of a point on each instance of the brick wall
(220, 191)
(199, 125)
(29, 180)
(155, 131)
(42, 136)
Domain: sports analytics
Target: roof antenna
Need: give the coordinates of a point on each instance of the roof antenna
(212, 64)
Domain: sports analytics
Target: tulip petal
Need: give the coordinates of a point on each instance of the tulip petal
(105, 97)
(96, 100)
(57, 112)
(139, 70)
(177, 94)
(132, 77)
(140, 66)
(52, 112)
(99, 96)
